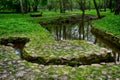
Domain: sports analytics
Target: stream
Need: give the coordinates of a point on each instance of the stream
(71, 31)
(75, 32)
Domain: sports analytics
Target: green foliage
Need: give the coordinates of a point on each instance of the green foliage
(32, 5)
(110, 24)
(23, 25)
(13, 26)
(19, 27)
(44, 2)
(10, 5)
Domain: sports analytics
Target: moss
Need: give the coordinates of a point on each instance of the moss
(110, 24)
(42, 45)
(110, 40)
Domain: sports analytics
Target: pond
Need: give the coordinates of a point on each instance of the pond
(71, 31)
(75, 31)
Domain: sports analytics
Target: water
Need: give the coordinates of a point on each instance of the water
(71, 31)
(18, 52)
(75, 32)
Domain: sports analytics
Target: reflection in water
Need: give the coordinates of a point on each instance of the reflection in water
(71, 31)
(18, 52)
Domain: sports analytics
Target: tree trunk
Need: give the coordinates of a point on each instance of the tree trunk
(26, 6)
(64, 6)
(81, 28)
(110, 5)
(21, 6)
(117, 8)
(97, 9)
(35, 8)
(105, 5)
(89, 5)
(60, 2)
(71, 5)
(83, 14)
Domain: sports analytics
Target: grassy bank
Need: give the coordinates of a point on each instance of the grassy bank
(41, 41)
(110, 24)
(11, 67)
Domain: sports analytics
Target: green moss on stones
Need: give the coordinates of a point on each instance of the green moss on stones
(40, 40)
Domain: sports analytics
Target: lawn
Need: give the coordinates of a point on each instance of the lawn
(110, 23)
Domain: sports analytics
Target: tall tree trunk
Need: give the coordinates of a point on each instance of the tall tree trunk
(117, 7)
(35, 8)
(64, 5)
(21, 6)
(110, 5)
(100, 5)
(71, 5)
(97, 9)
(56, 5)
(81, 27)
(26, 6)
(89, 5)
(60, 2)
(83, 14)
(105, 5)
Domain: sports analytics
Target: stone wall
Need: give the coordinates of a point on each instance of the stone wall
(110, 40)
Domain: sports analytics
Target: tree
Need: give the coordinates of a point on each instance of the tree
(89, 5)
(35, 5)
(105, 4)
(2, 4)
(110, 5)
(71, 5)
(50, 5)
(21, 6)
(62, 4)
(117, 7)
(97, 9)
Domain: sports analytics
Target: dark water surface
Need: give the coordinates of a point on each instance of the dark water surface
(71, 31)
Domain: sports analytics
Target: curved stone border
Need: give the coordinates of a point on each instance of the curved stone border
(109, 39)
(19, 43)
(83, 60)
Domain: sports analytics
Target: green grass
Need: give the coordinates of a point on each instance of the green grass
(16, 26)
(23, 25)
(111, 24)
(42, 43)
(47, 16)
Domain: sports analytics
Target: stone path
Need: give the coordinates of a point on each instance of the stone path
(13, 68)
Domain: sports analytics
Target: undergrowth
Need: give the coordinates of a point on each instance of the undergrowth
(110, 23)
